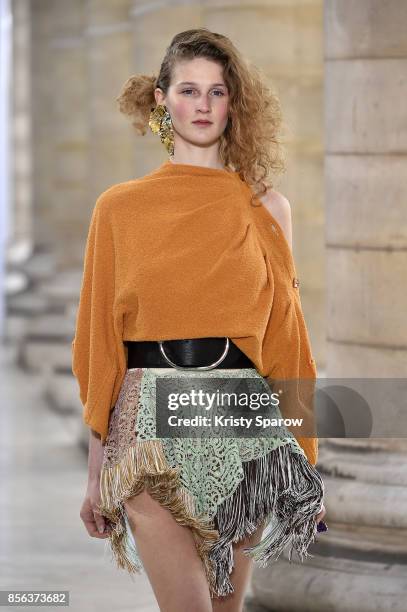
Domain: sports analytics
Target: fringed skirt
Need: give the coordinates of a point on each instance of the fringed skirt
(222, 488)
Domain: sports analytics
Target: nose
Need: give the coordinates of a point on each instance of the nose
(203, 104)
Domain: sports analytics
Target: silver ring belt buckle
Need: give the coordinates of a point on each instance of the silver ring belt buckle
(208, 367)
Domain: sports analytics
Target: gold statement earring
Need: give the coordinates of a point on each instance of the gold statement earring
(160, 123)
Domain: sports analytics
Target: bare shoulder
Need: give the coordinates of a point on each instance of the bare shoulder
(279, 207)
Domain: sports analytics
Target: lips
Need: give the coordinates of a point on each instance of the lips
(203, 122)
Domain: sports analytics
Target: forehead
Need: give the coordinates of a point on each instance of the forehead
(199, 70)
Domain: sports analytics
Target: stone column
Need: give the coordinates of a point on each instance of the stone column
(60, 149)
(109, 63)
(361, 563)
(16, 239)
(20, 213)
(6, 146)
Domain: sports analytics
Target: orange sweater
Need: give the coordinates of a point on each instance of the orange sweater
(181, 253)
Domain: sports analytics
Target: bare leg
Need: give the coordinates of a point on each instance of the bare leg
(169, 556)
(240, 576)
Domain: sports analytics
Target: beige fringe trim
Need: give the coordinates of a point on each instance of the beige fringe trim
(144, 467)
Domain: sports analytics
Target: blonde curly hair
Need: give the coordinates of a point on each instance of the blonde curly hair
(250, 143)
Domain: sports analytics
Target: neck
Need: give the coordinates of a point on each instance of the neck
(217, 166)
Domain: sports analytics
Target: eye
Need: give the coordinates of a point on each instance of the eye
(215, 90)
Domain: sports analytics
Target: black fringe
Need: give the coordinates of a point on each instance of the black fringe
(281, 486)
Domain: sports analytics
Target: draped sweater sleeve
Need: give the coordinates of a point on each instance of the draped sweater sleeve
(98, 353)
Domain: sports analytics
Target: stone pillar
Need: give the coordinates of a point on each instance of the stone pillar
(6, 147)
(361, 561)
(109, 63)
(20, 238)
(60, 116)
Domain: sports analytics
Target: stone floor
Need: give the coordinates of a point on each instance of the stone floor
(43, 543)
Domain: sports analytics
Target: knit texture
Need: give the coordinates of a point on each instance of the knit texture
(182, 253)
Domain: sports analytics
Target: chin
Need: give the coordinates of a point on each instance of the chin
(209, 134)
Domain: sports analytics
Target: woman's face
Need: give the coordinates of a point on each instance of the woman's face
(197, 92)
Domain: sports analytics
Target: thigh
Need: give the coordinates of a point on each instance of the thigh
(240, 576)
(169, 556)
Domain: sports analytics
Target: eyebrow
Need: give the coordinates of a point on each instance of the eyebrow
(192, 83)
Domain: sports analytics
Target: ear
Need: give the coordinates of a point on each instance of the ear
(159, 96)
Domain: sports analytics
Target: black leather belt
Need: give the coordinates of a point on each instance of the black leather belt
(194, 354)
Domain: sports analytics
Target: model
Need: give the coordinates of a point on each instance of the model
(189, 284)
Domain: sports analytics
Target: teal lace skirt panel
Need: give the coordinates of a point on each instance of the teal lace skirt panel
(210, 468)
